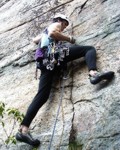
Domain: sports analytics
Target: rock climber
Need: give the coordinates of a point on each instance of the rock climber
(49, 40)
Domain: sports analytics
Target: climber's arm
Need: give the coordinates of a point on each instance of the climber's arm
(54, 31)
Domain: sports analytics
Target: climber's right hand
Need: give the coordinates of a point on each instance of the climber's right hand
(72, 40)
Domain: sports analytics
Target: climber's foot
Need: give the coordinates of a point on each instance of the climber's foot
(97, 77)
(27, 138)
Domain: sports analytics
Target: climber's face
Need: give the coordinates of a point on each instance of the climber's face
(64, 24)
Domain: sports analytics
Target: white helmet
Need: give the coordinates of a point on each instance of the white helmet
(62, 17)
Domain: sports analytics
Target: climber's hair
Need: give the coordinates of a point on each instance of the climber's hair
(58, 19)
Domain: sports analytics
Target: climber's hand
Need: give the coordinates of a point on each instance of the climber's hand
(72, 40)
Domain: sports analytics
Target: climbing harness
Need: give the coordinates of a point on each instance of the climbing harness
(50, 56)
(58, 110)
(50, 52)
(56, 54)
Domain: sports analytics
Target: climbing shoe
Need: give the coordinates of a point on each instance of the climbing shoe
(27, 138)
(101, 76)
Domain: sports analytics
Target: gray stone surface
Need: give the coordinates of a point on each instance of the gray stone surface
(89, 118)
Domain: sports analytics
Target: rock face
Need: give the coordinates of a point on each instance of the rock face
(89, 118)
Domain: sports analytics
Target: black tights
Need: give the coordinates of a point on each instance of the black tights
(46, 78)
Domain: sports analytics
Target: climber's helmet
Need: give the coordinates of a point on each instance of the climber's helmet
(60, 17)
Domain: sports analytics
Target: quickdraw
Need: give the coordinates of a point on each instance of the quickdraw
(56, 53)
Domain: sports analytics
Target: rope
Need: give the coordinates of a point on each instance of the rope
(60, 102)
(62, 129)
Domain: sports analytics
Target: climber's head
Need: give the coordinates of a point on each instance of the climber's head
(61, 18)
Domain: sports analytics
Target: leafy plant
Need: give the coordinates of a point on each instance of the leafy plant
(14, 116)
(74, 146)
(35, 149)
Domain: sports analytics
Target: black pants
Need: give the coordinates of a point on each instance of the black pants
(46, 78)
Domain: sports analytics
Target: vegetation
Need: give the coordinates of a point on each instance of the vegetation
(74, 146)
(13, 116)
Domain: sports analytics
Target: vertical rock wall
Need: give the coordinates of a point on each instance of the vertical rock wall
(89, 118)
